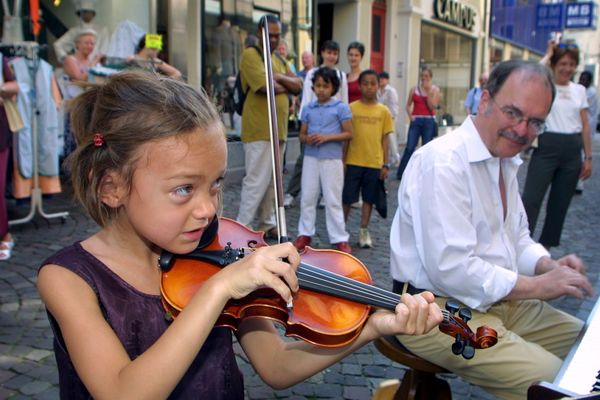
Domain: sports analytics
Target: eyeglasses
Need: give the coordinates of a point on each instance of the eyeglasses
(515, 116)
(567, 46)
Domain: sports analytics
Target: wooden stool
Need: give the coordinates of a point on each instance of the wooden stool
(419, 382)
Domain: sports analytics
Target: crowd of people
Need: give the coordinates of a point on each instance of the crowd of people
(462, 230)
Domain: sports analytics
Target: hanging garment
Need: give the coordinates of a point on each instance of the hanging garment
(36, 93)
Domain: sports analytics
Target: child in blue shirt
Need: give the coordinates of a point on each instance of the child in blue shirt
(326, 125)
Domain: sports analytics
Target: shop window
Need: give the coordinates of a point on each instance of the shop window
(450, 57)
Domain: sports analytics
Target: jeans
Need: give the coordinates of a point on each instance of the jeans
(421, 127)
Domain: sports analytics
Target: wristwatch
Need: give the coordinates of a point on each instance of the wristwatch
(386, 166)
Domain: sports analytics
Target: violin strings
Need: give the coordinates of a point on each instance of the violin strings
(373, 293)
(351, 289)
(346, 287)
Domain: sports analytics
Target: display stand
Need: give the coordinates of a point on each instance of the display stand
(30, 50)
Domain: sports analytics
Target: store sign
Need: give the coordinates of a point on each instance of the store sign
(455, 13)
(549, 16)
(581, 15)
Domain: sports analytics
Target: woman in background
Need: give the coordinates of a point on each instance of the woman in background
(147, 58)
(355, 54)
(422, 102)
(556, 162)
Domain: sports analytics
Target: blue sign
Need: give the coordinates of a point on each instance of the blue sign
(549, 16)
(581, 15)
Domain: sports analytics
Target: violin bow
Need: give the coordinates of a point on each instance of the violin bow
(274, 135)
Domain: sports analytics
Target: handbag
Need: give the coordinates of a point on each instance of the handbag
(381, 199)
(15, 122)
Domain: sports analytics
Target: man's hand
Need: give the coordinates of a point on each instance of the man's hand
(554, 278)
(563, 280)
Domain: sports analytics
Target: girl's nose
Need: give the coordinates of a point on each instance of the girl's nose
(204, 209)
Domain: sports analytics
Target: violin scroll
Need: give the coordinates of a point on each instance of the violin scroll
(465, 340)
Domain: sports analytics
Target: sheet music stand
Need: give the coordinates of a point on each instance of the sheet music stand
(30, 50)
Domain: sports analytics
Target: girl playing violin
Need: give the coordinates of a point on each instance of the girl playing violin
(150, 160)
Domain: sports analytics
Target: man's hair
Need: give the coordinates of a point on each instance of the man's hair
(384, 75)
(328, 75)
(268, 18)
(367, 72)
(503, 70)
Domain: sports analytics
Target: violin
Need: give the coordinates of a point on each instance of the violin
(335, 299)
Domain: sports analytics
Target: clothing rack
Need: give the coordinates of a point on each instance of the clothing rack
(30, 51)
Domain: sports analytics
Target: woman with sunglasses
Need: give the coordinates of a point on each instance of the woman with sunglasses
(556, 162)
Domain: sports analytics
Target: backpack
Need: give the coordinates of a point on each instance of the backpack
(239, 94)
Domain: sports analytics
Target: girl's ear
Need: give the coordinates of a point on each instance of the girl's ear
(112, 189)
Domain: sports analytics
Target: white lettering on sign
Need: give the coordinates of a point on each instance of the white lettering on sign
(455, 13)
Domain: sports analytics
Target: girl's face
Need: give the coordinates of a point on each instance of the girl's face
(322, 89)
(175, 189)
(330, 57)
(564, 69)
(354, 57)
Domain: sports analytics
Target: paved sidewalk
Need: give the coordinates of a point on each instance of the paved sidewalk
(27, 365)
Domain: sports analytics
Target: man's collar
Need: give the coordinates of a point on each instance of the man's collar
(476, 148)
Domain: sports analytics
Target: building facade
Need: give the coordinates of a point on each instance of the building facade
(204, 39)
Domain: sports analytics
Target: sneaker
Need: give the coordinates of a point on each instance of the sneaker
(358, 204)
(288, 200)
(579, 188)
(364, 239)
(344, 246)
(301, 242)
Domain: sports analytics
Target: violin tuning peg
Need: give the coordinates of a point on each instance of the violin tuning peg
(465, 314)
(452, 306)
(468, 352)
(458, 346)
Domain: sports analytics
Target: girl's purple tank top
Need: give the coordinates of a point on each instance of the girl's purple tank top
(138, 319)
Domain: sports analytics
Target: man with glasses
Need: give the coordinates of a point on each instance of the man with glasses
(461, 232)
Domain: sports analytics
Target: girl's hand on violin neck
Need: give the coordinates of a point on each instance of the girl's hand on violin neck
(415, 315)
(263, 268)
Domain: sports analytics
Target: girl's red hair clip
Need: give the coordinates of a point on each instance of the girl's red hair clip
(98, 140)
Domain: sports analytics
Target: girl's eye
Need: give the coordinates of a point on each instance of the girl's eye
(183, 190)
(217, 186)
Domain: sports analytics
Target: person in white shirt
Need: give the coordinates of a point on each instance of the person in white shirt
(556, 164)
(330, 53)
(86, 11)
(586, 79)
(388, 96)
(461, 231)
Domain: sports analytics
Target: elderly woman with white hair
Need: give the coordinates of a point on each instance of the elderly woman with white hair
(76, 69)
